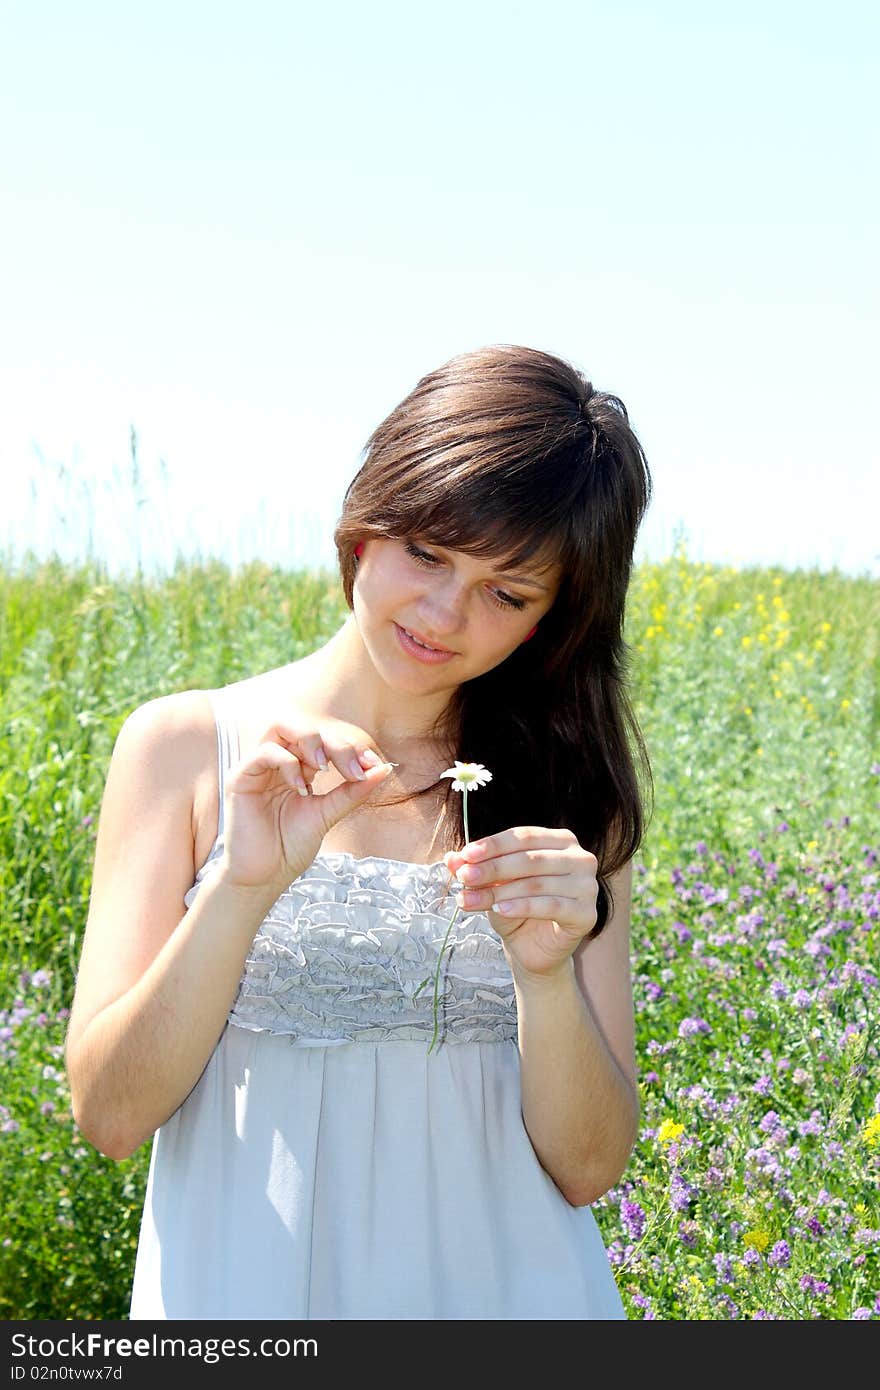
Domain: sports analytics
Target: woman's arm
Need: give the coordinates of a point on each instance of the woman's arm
(580, 1098)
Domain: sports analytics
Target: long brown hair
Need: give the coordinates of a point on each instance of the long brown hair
(511, 453)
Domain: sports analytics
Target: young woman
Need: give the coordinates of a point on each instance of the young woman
(349, 1121)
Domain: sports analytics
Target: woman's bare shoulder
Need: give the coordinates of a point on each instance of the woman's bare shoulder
(176, 717)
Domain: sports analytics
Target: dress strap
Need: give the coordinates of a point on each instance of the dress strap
(228, 744)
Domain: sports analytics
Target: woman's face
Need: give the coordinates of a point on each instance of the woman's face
(431, 617)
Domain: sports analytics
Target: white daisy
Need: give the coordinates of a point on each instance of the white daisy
(467, 776)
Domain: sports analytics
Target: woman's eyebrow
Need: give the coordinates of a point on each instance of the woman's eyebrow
(523, 579)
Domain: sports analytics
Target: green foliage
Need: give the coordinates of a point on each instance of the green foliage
(759, 698)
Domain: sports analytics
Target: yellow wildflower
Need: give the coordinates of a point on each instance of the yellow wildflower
(871, 1132)
(756, 1240)
(668, 1131)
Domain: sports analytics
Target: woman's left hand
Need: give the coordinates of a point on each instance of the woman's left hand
(539, 888)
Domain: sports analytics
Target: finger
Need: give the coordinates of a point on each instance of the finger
(549, 886)
(353, 760)
(496, 899)
(565, 912)
(530, 863)
(512, 841)
(268, 759)
(335, 804)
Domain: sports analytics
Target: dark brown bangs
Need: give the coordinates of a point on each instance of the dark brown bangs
(510, 542)
(519, 513)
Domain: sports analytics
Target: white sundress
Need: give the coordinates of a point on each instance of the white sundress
(325, 1166)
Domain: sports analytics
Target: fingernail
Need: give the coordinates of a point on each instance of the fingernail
(321, 758)
(370, 758)
(303, 791)
(506, 909)
(356, 770)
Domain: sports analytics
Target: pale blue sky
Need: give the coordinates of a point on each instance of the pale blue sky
(247, 230)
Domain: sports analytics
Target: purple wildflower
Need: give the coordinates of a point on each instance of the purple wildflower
(681, 1192)
(866, 1235)
(810, 1284)
(690, 1027)
(780, 1255)
(811, 1127)
(633, 1219)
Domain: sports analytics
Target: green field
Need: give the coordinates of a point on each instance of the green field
(753, 1189)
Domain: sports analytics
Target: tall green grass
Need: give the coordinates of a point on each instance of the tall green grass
(759, 697)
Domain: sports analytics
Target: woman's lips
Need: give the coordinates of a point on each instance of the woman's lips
(431, 657)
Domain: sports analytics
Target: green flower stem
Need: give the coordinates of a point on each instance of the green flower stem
(452, 922)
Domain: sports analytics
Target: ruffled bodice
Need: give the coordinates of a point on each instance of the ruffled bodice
(341, 954)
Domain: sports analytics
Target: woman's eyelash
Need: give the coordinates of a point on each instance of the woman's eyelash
(421, 555)
(424, 557)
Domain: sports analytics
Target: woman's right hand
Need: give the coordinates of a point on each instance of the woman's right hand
(274, 822)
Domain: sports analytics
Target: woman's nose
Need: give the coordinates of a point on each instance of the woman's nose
(442, 608)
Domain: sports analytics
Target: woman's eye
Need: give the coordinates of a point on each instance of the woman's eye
(508, 600)
(424, 557)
